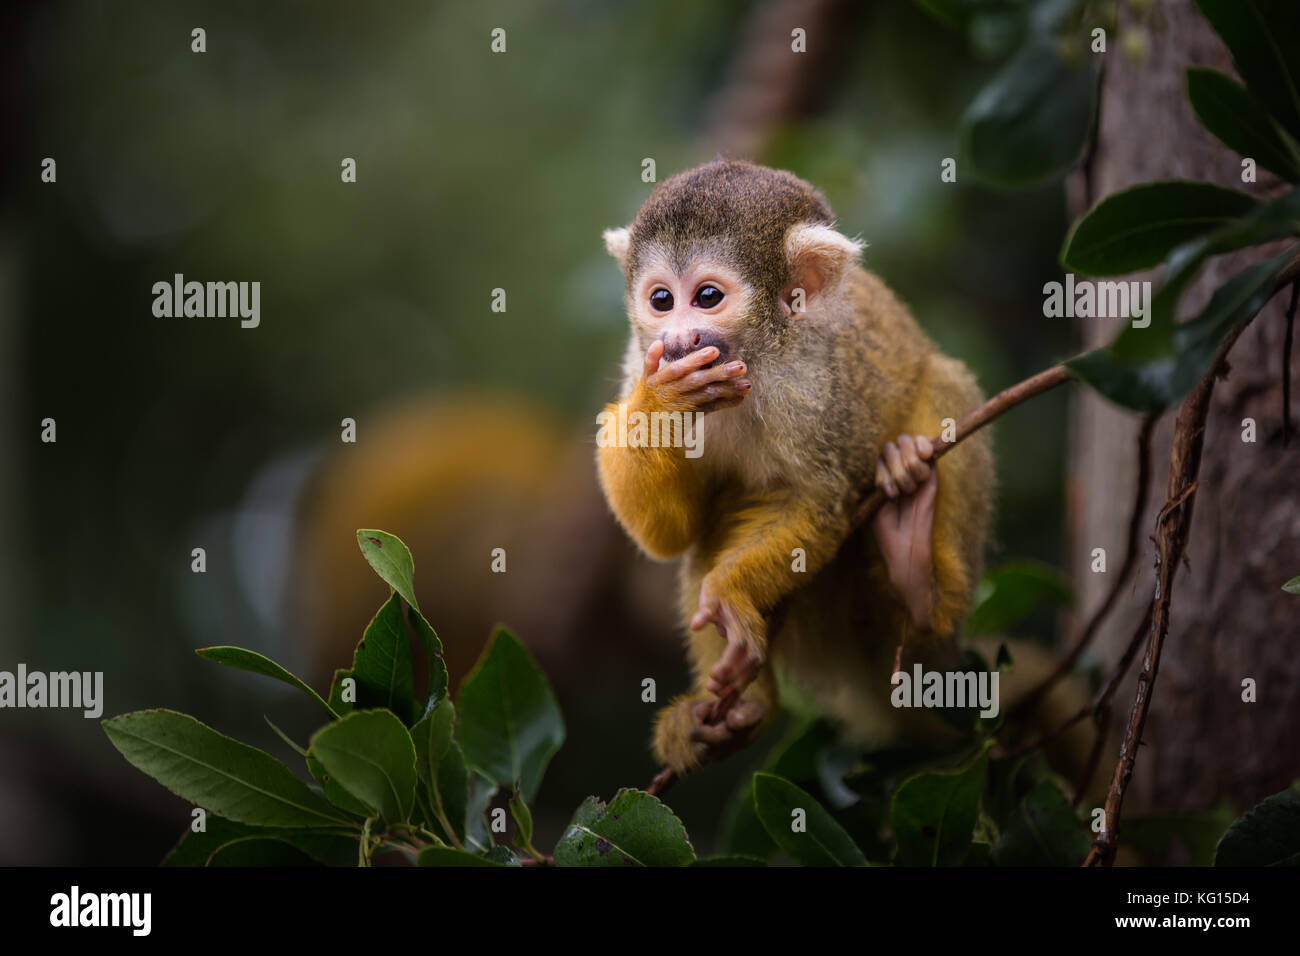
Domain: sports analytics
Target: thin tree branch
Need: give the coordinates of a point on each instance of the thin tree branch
(1172, 527)
(999, 404)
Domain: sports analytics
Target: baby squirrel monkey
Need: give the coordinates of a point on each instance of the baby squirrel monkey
(746, 304)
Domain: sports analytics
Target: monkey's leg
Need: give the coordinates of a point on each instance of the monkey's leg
(684, 738)
(752, 567)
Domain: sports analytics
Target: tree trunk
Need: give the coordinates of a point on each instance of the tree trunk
(1230, 620)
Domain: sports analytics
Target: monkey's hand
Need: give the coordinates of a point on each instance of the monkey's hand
(684, 738)
(903, 527)
(685, 386)
(744, 630)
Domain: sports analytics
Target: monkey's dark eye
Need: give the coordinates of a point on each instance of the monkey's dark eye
(708, 296)
(661, 300)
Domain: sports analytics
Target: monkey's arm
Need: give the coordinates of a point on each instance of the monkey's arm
(655, 493)
(751, 568)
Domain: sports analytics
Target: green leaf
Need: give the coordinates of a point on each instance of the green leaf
(1143, 368)
(371, 756)
(1006, 596)
(1155, 381)
(334, 793)
(1137, 228)
(1044, 831)
(1229, 111)
(382, 665)
(1030, 122)
(509, 724)
(503, 855)
(1292, 586)
(433, 734)
(441, 767)
(246, 660)
(328, 847)
(1268, 835)
(337, 703)
(1004, 661)
(634, 830)
(437, 665)
(392, 561)
(934, 815)
(449, 856)
(217, 773)
(1265, 223)
(453, 791)
(819, 841)
(523, 818)
(743, 833)
(481, 792)
(260, 851)
(1264, 37)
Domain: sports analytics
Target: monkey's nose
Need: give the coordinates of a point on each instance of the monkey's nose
(681, 344)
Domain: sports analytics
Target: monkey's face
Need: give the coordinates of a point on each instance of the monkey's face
(690, 305)
(730, 255)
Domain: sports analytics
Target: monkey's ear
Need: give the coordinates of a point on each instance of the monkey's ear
(818, 256)
(616, 241)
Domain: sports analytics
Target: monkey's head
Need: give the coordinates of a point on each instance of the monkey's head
(731, 255)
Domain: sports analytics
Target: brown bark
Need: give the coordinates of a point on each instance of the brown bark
(1230, 620)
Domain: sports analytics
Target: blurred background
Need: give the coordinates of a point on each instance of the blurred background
(474, 171)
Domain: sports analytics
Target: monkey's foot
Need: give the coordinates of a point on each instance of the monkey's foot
(903, 527)
(743, 630)
(684, 739)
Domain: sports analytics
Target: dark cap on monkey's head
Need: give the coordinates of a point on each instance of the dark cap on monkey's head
(743, 209)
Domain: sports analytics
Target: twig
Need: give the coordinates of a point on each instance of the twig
(1171, 538)
(664, 779)
(1172, 529)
